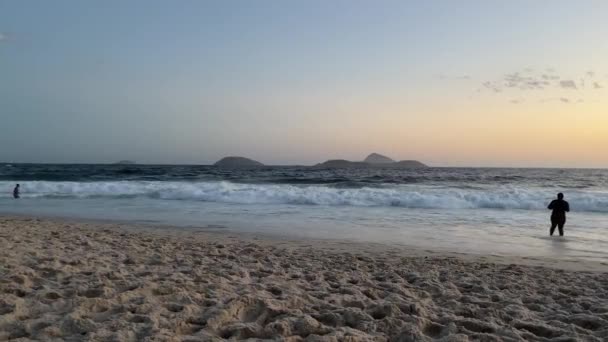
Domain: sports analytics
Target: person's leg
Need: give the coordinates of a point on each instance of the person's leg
(560, 226)
(553, 225)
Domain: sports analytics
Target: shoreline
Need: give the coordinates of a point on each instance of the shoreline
(221, 233)
(84, 280)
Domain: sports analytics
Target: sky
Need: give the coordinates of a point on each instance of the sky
(449, 83)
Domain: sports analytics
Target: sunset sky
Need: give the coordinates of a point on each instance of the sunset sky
(450, 83)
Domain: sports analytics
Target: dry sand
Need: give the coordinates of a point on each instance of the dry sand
(62, 280)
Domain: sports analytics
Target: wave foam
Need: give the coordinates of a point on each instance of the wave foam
(395, 196)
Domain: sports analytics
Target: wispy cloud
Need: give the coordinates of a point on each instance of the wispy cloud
(549, 77)
(517, 80)
(526, 79)
(541, 82)
(454, 77)
(492, 86)
(3, 37)
(563, 100)
(559, 99)
(568, 84)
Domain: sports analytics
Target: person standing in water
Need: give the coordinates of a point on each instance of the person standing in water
(16, 191)
(558, 216)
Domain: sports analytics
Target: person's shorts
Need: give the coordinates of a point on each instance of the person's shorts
(560, 221)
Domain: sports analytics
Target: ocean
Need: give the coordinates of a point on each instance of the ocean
(467, 210)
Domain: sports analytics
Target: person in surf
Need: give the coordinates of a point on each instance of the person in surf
(558, 216)
(16, 191)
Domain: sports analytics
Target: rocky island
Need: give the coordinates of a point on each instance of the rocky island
(376, 158)
(373, 160)
(237, 162)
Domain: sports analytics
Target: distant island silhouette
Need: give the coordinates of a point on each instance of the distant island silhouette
(376, 158)
(237, 162)
(373, 160)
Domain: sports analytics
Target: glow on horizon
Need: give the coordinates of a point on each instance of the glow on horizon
(298, 83)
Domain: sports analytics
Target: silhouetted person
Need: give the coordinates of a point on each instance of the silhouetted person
(16, 191)
(558, 217)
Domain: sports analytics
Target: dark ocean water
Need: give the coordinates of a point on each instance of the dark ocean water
(569, 178)
(465, 209)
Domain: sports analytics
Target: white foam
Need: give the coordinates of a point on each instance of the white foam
(407, 196)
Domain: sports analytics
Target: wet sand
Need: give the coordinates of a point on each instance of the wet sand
(67, 280)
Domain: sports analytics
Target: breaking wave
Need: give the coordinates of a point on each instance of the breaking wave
(406, 196)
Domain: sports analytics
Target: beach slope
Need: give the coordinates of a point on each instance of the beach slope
(62, 280)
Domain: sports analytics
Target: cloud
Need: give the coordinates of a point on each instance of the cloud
(3, 37)
(568, 84)
(563, 100)
(542, 82)
(492, 86)
(516, 80)
(458, 77)
(549, 77)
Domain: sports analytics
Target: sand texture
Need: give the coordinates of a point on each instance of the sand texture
(72, 281)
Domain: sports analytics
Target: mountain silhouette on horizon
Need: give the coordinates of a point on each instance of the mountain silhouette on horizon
(376, 158)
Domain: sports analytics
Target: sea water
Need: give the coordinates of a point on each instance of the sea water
(469, 210)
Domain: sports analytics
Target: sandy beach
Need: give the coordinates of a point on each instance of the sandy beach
(68, 280)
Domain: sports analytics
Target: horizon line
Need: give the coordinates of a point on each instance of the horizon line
(309, 165)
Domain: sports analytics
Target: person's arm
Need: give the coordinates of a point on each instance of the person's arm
(551, 205)
(567, 207)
